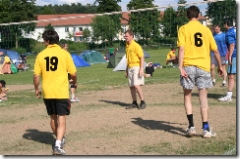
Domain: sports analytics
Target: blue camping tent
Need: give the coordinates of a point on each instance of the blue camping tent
(146, 55)
(13, 55)
(4, 52)
(78, 61)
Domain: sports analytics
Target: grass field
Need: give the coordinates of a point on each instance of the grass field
(99, 124)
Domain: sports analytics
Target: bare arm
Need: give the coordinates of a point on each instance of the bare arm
(141, 72)
(36, 81)
(126, 73)
(74, 79)
(217, 57)
(180, 61)
(231, 49)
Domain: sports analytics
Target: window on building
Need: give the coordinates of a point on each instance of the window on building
(66, 29)
(80, 29)
(80, 38)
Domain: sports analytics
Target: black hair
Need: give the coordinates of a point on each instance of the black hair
(228, 22)
(173, 48)
(63, 45)
(50, 36)
(193, 12)
(3, 83)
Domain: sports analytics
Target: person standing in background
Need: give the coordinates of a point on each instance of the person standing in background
(73, 87)
(134, 70)
(231, 43)
(219, 37)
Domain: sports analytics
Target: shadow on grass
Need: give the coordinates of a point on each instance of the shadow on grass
(115, 102)
(212, 95)
(39, 136)
(159, 125)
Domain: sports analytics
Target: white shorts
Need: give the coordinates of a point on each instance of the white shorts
(133, 77)
(223, 60)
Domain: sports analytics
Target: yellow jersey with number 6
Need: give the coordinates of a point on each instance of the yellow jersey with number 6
(197, 41)
(53, 65)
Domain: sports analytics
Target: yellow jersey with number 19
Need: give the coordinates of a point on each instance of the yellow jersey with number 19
(53, 65)
(197, 41)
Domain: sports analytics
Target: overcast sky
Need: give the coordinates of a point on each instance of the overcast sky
(123, 4)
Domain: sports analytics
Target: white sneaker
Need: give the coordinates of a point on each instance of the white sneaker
(190, 131)
(209, 134)
(75, 99)
(225, 99)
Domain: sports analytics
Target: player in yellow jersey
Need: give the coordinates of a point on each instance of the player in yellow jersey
(195, 42)
(135, 69)
(53, 65)
(171, 57)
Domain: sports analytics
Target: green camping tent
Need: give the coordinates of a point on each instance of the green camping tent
(115, 59)
(92, 57)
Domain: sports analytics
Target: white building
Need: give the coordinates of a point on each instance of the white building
(71, 26)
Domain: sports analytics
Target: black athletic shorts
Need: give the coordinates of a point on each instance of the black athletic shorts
(57, 106)
(73, 86)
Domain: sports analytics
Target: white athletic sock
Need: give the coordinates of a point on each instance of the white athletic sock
(214, 80)
(63, 139)
(73, 96)
(229, 94)
(224, 82)
(58, 143)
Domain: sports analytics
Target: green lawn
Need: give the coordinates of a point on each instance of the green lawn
(98, 76)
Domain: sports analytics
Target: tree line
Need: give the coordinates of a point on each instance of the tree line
(145, 24)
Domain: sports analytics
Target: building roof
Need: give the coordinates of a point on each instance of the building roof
(78, 19)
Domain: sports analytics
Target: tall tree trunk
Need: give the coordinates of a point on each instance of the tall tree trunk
(16, 40)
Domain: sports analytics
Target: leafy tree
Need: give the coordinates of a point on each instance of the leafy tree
(103, 29)
(181, 18)
(16, 11)
(111, 6)
(86, 33)
(66, 9)
(49, 27)
(168, 22)
(145, 24)
(217, 11)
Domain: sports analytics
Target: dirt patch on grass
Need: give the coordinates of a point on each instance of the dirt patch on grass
(100, 125)
(20, 87)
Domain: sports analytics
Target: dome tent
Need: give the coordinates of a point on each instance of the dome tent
(78, 61)
(92, 57)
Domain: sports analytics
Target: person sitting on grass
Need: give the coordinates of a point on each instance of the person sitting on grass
(3, 90)
(149, 69)
(171, 57)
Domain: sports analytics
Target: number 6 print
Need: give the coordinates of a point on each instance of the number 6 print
(51, 63)
(198, 39)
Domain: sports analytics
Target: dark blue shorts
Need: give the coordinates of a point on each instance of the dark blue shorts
(57, 106)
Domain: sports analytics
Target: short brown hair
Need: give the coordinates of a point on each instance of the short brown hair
(193, 12)
(130, 32)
